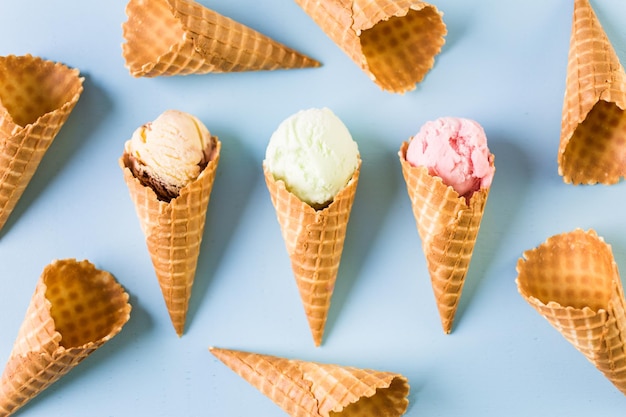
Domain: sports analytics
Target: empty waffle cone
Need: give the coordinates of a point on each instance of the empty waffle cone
(173, 232)
(307, 389)
(179, 37)
(448, 227)
(593, 127)
(393, 41)
(572, 280)
(36, 98)
(75, 309)
(314, 241)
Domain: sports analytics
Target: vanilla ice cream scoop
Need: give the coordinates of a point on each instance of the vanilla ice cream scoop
(454, 149)
(313, 152)
(169, 152)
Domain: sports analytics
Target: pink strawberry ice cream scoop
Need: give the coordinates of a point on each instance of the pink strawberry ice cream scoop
(454, 149)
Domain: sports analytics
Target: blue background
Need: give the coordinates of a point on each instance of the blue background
(503, 64)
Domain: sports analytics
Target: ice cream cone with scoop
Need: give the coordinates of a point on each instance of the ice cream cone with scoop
(75, 309)
(179, 37)
(169, 167)
(393, 41)
(308, 389)
(311, 169)
(593, 126)
(36, 98)
(572, 280)
(448, 171)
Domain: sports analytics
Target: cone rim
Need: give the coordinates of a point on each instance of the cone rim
(306, 207)
(552, 304)
(70, 99)
(184, 190)
(412, 168)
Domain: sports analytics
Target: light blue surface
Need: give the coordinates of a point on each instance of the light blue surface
(504, 65)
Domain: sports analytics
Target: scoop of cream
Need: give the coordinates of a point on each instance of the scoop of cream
(172, 148)
(313, 152)
(454, 149)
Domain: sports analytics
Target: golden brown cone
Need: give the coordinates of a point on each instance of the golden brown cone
(306, 389)
(179, 37)
(36, 98)
(572, 280)
(75, 309)
(593, 128)
(173, 233)
(448, 227)
(314, 241)
(393, 41)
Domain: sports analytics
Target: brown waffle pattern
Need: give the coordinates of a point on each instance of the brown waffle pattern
(304, 389)
(75, 309)
(593, 130)
(314, 241)
(393, 42)
(36, 98)
(572, 280)
(179, 37)
(448, 227)
(173, 233)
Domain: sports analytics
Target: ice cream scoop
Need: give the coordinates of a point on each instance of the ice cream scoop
(169, 152)
(313, 152)
(454, 149)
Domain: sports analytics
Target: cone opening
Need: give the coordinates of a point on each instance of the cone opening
(401, 50)
(167, 192)
(151, 31)
(596, 151)
(30, 87)
(86, 304)
(573, 269)
(390, 401)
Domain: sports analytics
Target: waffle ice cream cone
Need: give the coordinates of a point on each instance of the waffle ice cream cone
(393, 41)
(572, 280)
(75, 309)
(593, 128)
(173, 232)
(36, 98)
(448, 227)
(179, 37)
(314, 241)
(304, 389)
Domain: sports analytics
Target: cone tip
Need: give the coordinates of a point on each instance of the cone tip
(179, 328)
